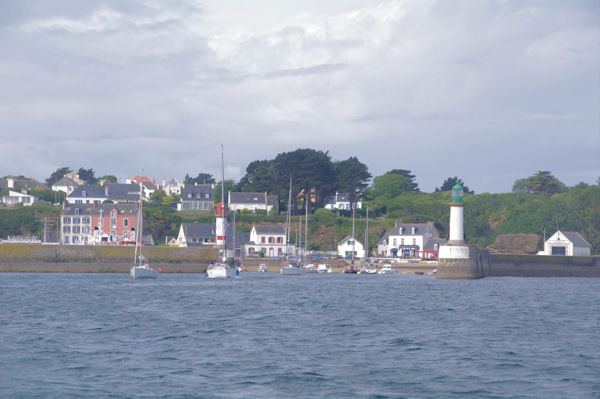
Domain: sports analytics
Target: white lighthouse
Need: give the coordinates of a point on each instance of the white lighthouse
(456, 247)
(457, 206)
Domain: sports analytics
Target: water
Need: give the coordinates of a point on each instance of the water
(311, 336)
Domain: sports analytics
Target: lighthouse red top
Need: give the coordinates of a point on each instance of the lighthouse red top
(220, 209)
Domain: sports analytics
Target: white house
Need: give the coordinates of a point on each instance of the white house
(569, 243)
(171, 187)
(196, 234)
(252, 201)
(341, 201)
(66, 185)
(13, 198)
(87, 194)
(270, 241)
(348, 244)
(407, 240)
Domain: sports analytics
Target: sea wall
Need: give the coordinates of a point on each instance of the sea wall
(107, 259)
(514, 265)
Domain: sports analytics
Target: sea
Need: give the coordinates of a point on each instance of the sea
(262, 335)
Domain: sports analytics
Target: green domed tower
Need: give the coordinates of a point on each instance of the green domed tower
(457, 193)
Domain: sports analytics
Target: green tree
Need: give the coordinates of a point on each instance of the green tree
(258, 177)
(542, 182)
(450, 182)
(389, 186)
(87, 175)
(414, 187)
(202, 178)
(230, 185)
(352, 177)
(57, 175)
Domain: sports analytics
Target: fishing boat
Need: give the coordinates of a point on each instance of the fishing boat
(141, 268)
(386, 269)
(290, 267)
(368, 269)
(221, 269)
(324, 268)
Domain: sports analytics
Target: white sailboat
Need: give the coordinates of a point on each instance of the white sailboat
(221, 269)
(290, 268)
(140, 268)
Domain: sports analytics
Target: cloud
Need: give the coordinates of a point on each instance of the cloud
(399, 84)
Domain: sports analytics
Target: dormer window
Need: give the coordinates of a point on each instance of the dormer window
(401, 229)
(84, 193)
(413, 230)
(77, 211)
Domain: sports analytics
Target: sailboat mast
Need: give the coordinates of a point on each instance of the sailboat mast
(353, 239)
(223, 205)
(288, 221)
(306, 224)
(367, 236)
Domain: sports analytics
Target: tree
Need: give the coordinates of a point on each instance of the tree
(352, 177)
(541, 182)
(229, 186)
(202, 178)
(108, 179)
(258, 178)
(57, 175)
(87, 175)
(390, 186)
(450, 182)
(414, 187)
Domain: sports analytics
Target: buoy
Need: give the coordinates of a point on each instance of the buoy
(159, 270)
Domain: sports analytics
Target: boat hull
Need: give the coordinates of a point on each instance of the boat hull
(220, 272)
(143, 272)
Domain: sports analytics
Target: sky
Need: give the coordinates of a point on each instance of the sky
(489, 91)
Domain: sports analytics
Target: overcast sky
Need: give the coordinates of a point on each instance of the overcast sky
(490, 91)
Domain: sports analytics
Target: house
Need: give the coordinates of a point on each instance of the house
(268, 241)
(98, 224)
(87, 194)
(341, 201)
(252, 201)
(196, 234)
(349, 244)
(431, 250)
(66, 185)
(568, 243)
(197, 197)
(148, 186)
(407, 240)
(172, 187)
(122, 193)
(16, 182)
(13, 198)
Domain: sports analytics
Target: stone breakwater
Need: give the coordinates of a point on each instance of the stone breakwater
(100, 259)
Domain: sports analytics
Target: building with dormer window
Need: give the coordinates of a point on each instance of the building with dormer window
(199, 197)
(98, 224)
(270, 241)
(407, 240)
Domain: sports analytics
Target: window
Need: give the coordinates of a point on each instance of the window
(279, 240)
(189, 195)
(402, 241)
(414, 241)
(125, 222)
(395, 242)
(113, 213)
(77, 211)
(262, 240)
(113, 223)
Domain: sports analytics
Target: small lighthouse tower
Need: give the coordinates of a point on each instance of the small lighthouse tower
(457, 206)
(457, 260)
(220, 226)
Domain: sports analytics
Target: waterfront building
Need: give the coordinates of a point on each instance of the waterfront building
(252, 202)
(349, 244)
(409, 240)
(66, 185)
(199, 197)
(196, 234)
(270, 241)
(568, 243)
(98, 224)
(13, 198)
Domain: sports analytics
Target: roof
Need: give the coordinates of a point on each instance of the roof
(120, 191)
(341, 197)
(385, 237)
(253, 198)
(199, 230)
(197, 191)
(66, 181)
(87, 191)
(104, 209)
(263, 230)
(349, 238)
(429, 245)
(575, 238)
(420, 229)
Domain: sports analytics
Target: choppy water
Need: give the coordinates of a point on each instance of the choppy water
(310, 336)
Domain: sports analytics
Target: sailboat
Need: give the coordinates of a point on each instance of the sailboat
(368, 268)
(351, 268)
(221, 269)
(140, 268)
(290, 268)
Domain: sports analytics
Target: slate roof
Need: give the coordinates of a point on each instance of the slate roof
(66, 181)
(91, 210)
(122, 192)
(430, 244)
(90, 191)
(199, 230)
(420, 229)
(252, 198)
(198, 192)
(348, 238)
(265, 230)
(575, 238)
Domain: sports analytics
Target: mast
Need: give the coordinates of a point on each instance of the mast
(353, 239)
(223, 206)
(138, 228)
(287, 221)
(306, 225)
(367, 236)
(300, 241)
